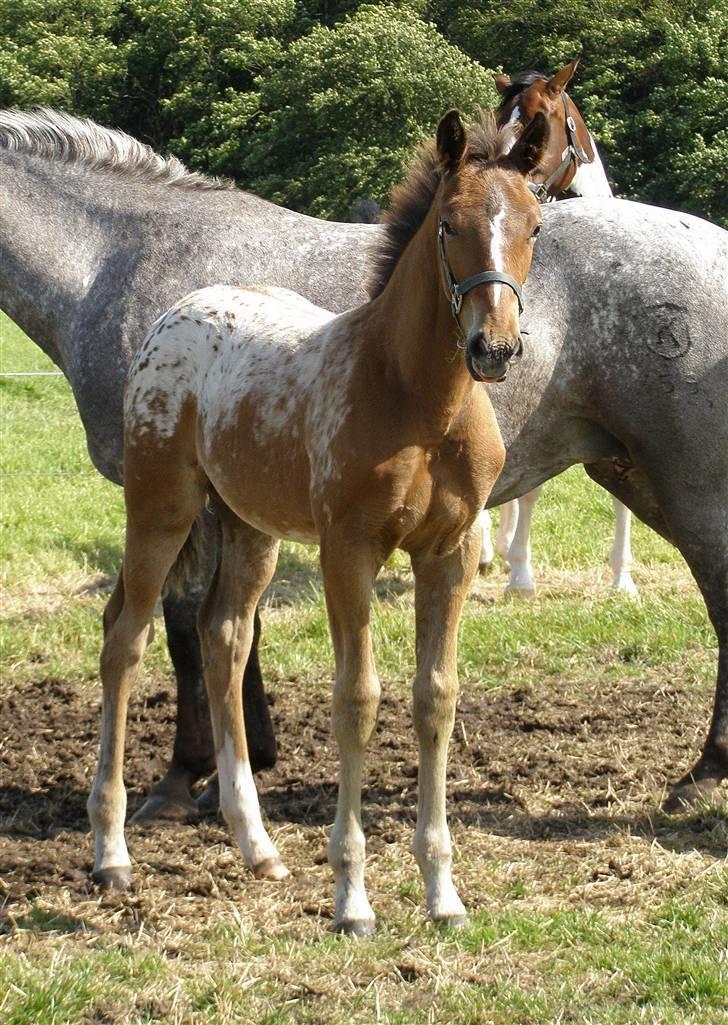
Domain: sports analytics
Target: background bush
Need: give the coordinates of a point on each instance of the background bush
(319, 104)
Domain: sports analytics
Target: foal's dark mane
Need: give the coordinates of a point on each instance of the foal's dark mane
(411, 201)
(519, 83)
(54, 135)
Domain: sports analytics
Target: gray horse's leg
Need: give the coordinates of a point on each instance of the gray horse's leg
(193, 755)
(708, 561)
(697, 526)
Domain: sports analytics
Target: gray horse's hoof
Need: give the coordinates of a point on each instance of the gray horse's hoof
(687, 795)
(360, 928)
(165, 808)
(116, 877)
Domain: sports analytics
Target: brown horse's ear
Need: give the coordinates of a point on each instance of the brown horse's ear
(530, 149)
(561, 79)
(502, 83)
(450, 140)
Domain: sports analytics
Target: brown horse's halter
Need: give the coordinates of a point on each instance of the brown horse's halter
(573, 152)
(455, 290)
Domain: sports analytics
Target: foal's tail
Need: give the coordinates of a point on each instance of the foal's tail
(196, 557)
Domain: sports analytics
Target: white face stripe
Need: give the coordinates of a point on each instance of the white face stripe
(497, 245)
(515, 115)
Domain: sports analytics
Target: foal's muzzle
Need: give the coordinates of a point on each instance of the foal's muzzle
(490, 360)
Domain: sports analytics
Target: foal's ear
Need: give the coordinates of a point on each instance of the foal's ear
(561, 79)
(450, 140)
(502, 82)
(530, 149)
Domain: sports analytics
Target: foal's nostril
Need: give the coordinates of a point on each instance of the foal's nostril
(477, 345)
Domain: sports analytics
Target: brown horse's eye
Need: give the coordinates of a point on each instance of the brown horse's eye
(536, 231)
(448, 228)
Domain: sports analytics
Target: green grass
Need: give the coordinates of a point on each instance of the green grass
(554, 937)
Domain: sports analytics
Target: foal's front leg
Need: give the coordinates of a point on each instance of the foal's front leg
(349, 575)
(442, 583)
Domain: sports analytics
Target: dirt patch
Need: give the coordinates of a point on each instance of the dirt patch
(558, 766)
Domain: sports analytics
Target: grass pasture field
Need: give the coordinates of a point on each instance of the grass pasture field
(587, 904)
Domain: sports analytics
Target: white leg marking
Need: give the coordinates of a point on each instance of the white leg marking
(239, 803)
(107, 821)
(487, 552)
(519, 554)
(620, 557)
(506, 529)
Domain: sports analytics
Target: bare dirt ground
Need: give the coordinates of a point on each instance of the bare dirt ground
(575, 772)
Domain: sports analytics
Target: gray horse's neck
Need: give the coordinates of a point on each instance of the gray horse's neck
(50, 245)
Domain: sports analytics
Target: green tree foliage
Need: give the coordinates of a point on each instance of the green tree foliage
(317, 103)
(342, 113)
(60, 54)
(192, 67)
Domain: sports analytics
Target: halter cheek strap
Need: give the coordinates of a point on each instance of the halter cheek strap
(457, 290)
(573, 152)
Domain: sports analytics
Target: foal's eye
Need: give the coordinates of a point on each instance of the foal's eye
(536, 231)
(448, 228)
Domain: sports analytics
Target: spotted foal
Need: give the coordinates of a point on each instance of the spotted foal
(362, 433)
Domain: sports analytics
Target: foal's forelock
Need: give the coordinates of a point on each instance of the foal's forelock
(65, 139)
(411, 201)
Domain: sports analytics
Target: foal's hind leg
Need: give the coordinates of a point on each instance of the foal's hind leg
(148, 556)
(226, 629)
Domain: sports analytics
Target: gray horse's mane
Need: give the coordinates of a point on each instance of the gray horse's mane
(54, 135)
(411, 201)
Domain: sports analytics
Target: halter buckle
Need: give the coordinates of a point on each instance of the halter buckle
(540, 191)
(456, 300)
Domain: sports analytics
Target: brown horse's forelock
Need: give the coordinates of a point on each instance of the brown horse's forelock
(411, 201)
(519, 83)
(55, 135)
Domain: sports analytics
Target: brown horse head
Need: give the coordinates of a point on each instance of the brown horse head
(530, 93)
(488, 220)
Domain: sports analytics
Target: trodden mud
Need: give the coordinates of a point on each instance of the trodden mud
(568, 767)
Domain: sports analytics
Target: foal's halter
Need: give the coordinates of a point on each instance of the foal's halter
(456, 290)
(573, 152)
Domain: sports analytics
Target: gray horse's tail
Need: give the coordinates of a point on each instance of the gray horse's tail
(190, 564)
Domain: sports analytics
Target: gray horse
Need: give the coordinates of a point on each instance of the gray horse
(625, 366)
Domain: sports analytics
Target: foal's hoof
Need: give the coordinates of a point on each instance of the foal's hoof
(361, 928)
(272, 868)
(114, 878)
(159, 807)
(685, 796)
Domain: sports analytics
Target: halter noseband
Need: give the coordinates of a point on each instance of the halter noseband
(456, 290)
(573, 151)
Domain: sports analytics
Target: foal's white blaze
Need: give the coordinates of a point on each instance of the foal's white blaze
(239, 803)
(497, 245)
